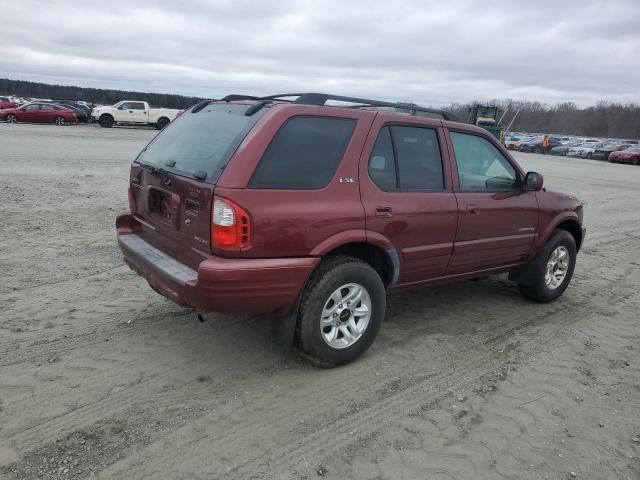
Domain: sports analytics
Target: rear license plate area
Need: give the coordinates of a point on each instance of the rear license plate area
(164, 207)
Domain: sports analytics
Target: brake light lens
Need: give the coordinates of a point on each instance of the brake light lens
(230, 225)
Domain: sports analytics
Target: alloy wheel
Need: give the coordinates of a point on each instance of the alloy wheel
(345, 316)
(557, 268)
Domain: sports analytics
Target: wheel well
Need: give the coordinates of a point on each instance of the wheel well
(106, 115)
(164, 118)
(574, 229)
(375, 256)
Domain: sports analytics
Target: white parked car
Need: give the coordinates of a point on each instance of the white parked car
(584, 150)
(133, 112)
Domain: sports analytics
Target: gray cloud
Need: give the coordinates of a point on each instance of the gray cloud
(424, 51)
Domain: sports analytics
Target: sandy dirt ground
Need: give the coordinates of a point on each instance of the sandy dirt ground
(100, 377)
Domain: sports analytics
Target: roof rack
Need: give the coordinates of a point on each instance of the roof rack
(322, 98)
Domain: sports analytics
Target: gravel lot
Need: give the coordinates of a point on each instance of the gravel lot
(101, 377)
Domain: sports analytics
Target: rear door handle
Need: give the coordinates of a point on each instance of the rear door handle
(473, 209)
(384, 212)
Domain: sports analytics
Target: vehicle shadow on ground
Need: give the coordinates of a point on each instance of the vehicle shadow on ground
(449, 313)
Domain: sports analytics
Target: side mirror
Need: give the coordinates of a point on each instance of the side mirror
(533, 182)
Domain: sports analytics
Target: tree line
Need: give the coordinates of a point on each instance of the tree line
(604, 119)
(22, 88)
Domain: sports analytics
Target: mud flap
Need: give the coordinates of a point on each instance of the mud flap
(283, 329)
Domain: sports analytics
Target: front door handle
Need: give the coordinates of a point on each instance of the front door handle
(473, 209)
(384, 212)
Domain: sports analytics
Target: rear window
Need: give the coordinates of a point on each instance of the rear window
(201, 143)
(304, 154)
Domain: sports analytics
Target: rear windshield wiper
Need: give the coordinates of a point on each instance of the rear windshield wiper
(152, 168)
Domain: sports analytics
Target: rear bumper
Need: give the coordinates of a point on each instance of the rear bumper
(220, 284)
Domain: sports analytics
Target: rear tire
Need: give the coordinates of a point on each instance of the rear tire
(11, 118)
(163, 122)
(341, 311)
(106, 121)
(551, 270)
(589, 156)
(636, 161)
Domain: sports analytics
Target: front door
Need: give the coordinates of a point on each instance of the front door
(498, 220)
(30, 113)
(132, 112)
(407, 196)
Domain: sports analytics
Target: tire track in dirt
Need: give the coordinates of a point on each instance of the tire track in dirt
(472, 367)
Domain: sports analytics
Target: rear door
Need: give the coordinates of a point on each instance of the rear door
(47, 113)
(172, 181)
(407, 194)
(498, 221)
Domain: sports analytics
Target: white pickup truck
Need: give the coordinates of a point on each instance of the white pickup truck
(133, 112)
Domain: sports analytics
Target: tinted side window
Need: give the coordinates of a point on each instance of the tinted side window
(47, 107)
(136, 106)
(418, 158)
(481, 166)
(406, 159)
(305, 153)
(382, 164)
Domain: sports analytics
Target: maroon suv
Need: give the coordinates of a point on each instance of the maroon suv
(286, 204)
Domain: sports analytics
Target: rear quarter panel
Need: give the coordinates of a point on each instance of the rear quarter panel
(292, 223)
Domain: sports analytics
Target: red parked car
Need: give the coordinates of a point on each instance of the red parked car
(316, 212)
(5, 102)
(629, 155)
(39, 113)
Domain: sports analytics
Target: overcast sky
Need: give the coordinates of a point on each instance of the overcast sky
(430, 52)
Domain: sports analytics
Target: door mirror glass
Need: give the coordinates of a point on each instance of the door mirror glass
(533, 181)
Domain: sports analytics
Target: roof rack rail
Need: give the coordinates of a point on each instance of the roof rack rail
(322, 98)
(234, 98)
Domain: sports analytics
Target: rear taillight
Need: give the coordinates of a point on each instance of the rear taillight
(230, 225)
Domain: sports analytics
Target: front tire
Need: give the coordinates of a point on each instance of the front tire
(551, 269)
(106, 121)
(589, 156)
(60, 121)
(11, 119)
(341, 311)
